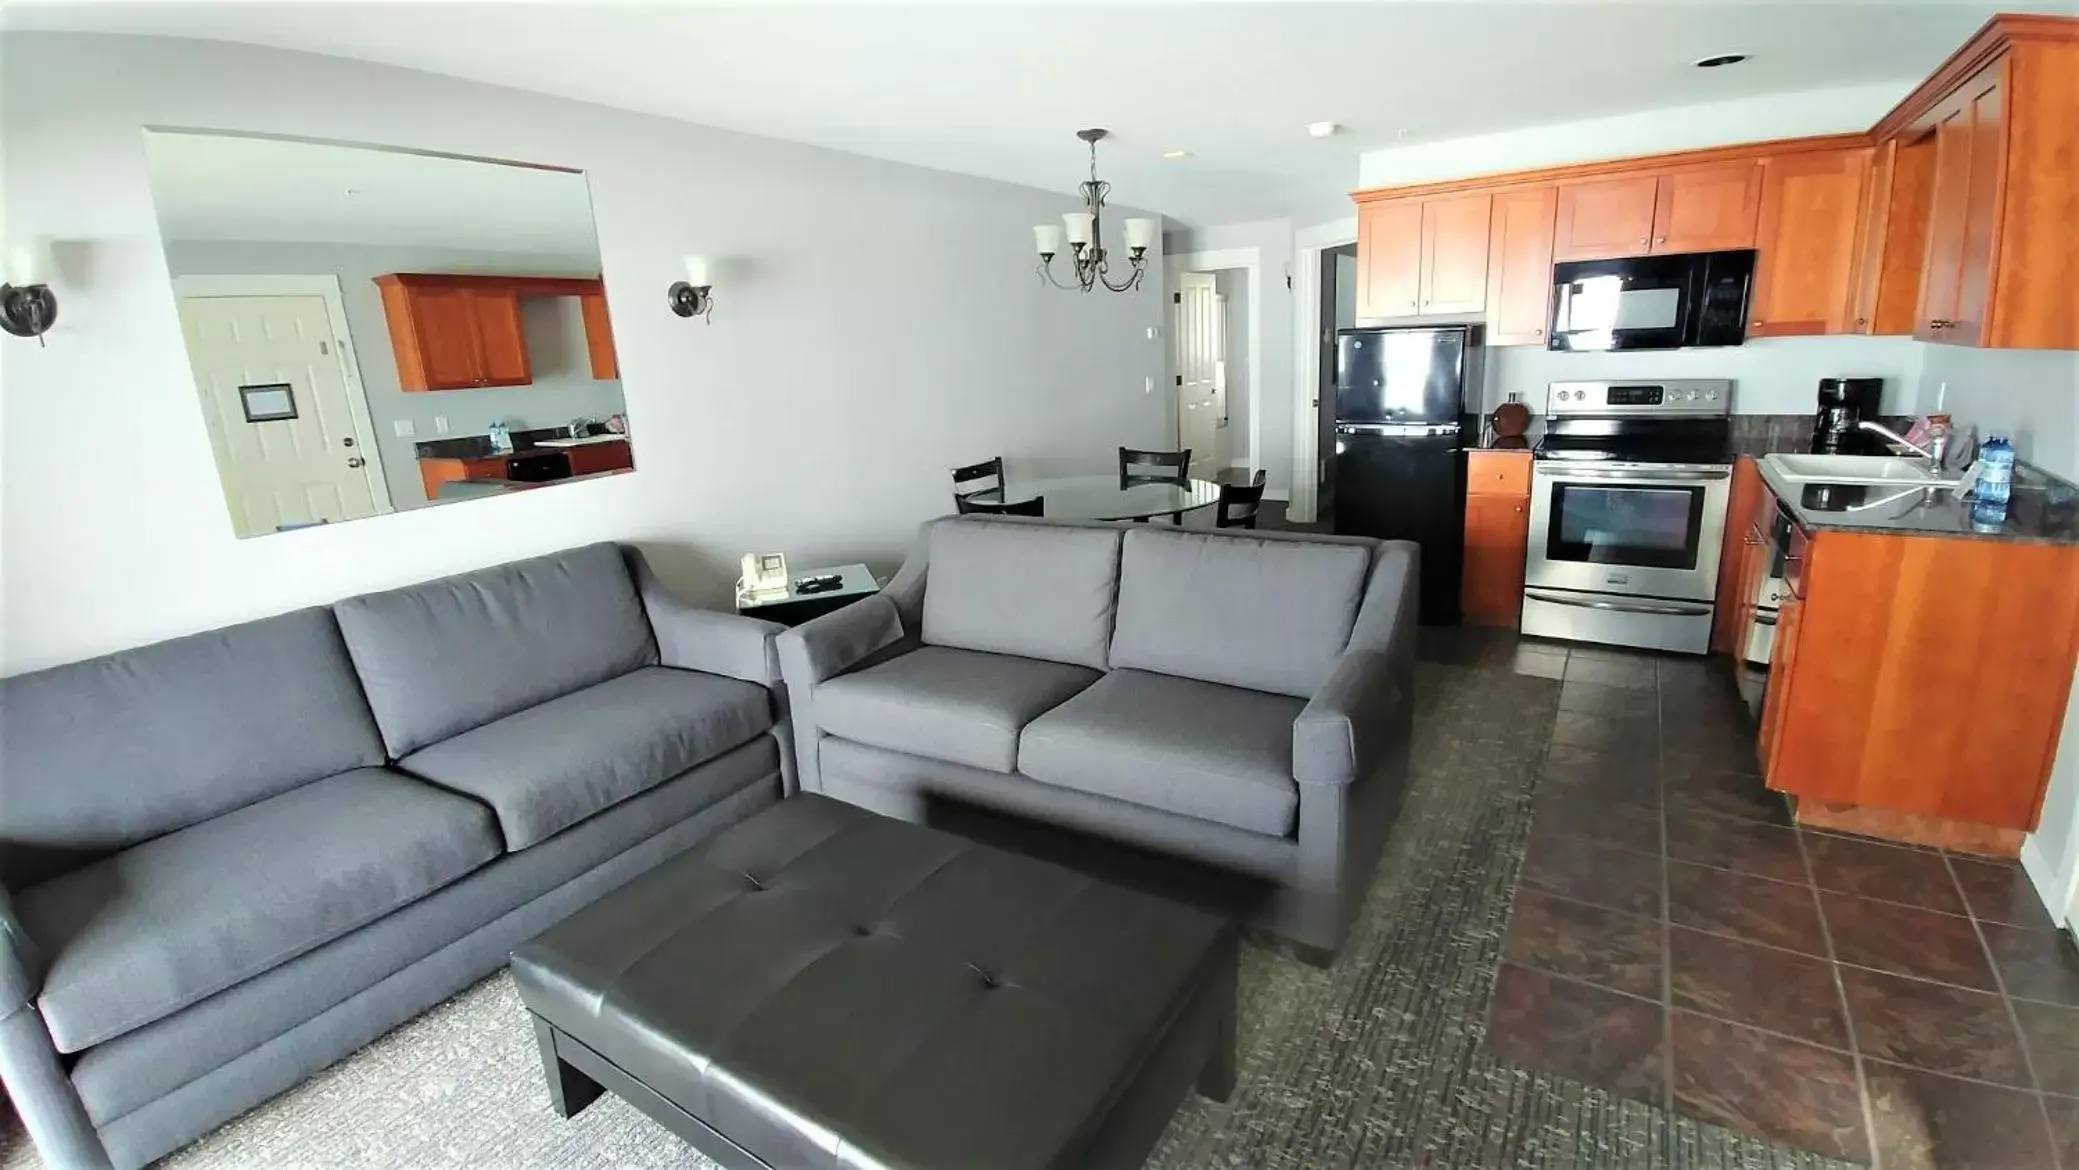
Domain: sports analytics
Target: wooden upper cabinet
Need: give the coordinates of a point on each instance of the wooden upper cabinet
(599, 336)
(1519, 266)
(1606, 217)
(438, 347)
(1707, 208)
(500, 338)
(1892, 243)
(1454, 254)
(1389, 258)
(1804, 278)
(1970, 320)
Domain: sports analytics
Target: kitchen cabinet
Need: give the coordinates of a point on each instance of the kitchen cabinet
(1805, 266)
(1497, 527)
(1422, 256)
(599, 337)
(1707, 208)
(1389, 259)
(453, 336)
(1454, 254)
(1744, 515)
(593, 458)
(1892, 240)
(1606, 217)
(1969, 136)
(1519, 266)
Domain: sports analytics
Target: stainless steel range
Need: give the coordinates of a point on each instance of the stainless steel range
(1627, 513)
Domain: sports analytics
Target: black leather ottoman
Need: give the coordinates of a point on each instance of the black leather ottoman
(821, 986)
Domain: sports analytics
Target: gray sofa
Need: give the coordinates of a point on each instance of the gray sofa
(232, 858)
(1239, 699)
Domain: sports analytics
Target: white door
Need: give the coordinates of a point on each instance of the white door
(288, 472)
(1200, 337)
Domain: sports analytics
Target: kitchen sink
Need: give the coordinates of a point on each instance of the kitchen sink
(1905, 471)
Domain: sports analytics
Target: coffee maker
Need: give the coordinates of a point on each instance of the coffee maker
(1843, 404)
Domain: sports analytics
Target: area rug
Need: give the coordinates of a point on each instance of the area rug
(1373, 1062)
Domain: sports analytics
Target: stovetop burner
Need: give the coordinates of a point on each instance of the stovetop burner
(1673, 422)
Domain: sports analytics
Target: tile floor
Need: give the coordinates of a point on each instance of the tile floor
(1675, 940)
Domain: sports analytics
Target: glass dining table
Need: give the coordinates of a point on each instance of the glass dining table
(1100, 497)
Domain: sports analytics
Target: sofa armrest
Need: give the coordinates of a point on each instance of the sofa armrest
(21, 962)
(692, 638)
(836, 642)
(1347, 727)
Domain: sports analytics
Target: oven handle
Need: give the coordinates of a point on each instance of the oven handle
(1646, 479)
(1663, 609)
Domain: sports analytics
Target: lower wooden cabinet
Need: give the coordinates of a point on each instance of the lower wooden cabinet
(1497, 527)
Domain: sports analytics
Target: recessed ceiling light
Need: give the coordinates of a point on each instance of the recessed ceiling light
(1721, 59)
(1176, 154)
(1322, 129)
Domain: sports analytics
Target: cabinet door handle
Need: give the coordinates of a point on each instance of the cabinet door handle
(1644, 240)
(1861, 321)
(1661, 240)
(1537, 333)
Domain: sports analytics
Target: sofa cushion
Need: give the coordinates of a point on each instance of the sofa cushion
(440, 658)
(103, 754)
(957, 705)
(1034, 590)
(164, 924)
(553, 765)
(1197, 749)
(1267, 614)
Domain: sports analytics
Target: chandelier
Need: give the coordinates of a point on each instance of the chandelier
(1084, 231)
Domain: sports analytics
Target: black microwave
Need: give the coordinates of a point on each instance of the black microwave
(1652, 302)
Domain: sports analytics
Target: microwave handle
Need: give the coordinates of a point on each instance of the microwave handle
(1562, 311)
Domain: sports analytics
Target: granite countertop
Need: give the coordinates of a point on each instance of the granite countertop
(460, 489)
(2044, 509)
(479, 446)
(1484, 438)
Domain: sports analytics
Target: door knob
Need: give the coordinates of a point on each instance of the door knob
(347, 442)
(357, 461)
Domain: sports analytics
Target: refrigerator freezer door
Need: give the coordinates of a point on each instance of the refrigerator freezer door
(1400, 375)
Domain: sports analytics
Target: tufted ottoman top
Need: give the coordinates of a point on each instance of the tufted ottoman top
(830, 987)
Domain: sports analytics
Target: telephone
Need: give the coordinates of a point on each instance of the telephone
(765, 575)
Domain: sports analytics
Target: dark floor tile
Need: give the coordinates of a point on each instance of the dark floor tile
(1929, 1122)
(1719, 732)
(1852, 865)
(1465, 645)
(2064, 1130)
(1599, 1037)
(1725, 794)
(2052, 1035)
(1617, 951)
(1907, 941)
(1679, 760)
(1599, 699)
(1755, 909)
(1933, 1027)
(1565, 812)
(1777, 990)
(1768, 1087)
(1631, 675)
(1601, 777)
(1617, 879)
(2035, 964)
(1763, 850)
(1539, 662)
(1998, 891)
(1625, 737)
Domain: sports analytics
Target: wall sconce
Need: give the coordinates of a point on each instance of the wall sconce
(27, 305)
(694, 296)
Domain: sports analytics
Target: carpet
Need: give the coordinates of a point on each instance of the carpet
(1373, 1062)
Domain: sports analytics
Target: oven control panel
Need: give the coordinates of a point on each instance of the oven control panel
(1680, 397)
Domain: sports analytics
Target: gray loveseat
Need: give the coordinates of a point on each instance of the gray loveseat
(1240, 699)
(232, 858)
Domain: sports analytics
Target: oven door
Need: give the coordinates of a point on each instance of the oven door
(1638, 530)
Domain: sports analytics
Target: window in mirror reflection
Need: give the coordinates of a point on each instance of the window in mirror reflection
(438, 323)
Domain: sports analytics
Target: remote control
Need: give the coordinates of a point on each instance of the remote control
(822, 583)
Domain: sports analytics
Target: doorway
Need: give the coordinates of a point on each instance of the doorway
(286, 415)
(1199, 330)
(1338, 310)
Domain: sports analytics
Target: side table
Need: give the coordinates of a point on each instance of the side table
(793, 608)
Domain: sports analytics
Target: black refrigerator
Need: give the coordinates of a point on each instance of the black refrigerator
(1401, 400)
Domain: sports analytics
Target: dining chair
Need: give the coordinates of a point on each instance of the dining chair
(1239, 503)
(975, 478)
(1154, 466)
(1036, 506)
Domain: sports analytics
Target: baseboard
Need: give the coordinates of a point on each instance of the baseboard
(2052, 886)
(1240, 464)
(1283, 497)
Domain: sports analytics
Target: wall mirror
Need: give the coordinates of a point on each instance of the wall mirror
(373, 330)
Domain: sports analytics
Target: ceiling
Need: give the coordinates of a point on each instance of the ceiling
(999, 90)
(221, 187)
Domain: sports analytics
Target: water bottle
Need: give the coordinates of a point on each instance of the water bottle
(1996, 470)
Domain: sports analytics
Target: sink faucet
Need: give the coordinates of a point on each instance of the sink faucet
(1933, 452)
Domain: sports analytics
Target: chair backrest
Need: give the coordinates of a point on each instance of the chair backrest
(1036, 506)
(1239, 504)
(978, 477)
(1154, 466)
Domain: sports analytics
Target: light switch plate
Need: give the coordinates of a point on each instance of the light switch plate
(402, 428)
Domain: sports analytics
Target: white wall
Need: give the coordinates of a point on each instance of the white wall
(563, 386)
(1790, 115)
(1233, 284)
(1272, 240)
(1772, 375)
(876, 324)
